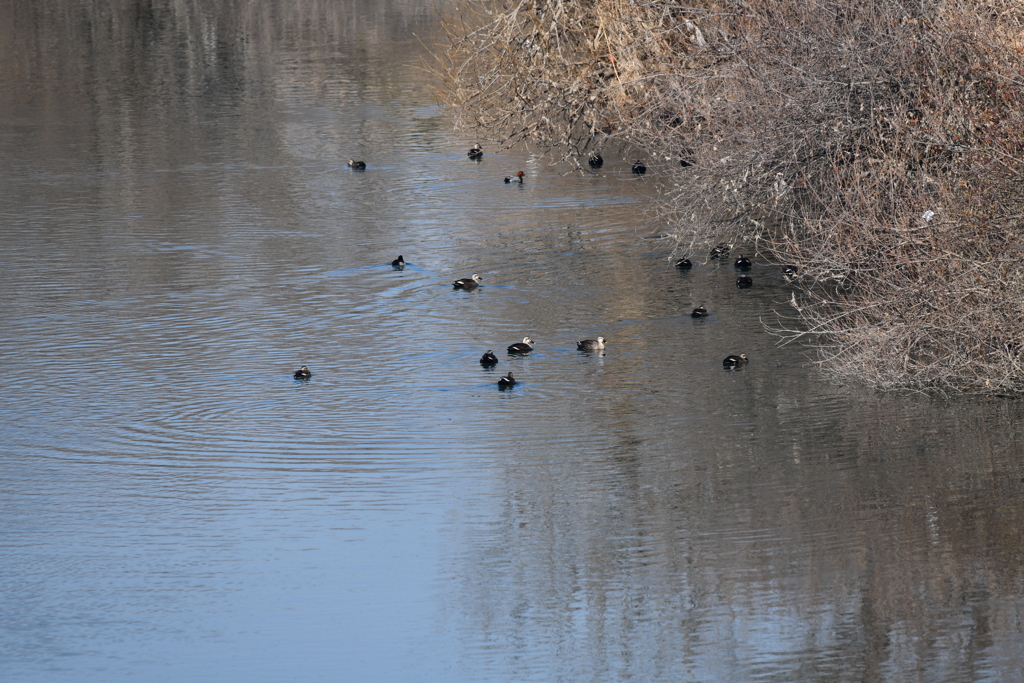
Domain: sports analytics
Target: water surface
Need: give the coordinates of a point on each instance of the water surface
(180, 232)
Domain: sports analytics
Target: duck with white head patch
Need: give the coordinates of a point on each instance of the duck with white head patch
(735, 361)
(467, 282)
(524, 346)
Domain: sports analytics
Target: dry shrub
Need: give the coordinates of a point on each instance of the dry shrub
(875, 144)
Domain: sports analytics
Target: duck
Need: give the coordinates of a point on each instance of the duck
(467, 282)
(684, 264)
(699, 312)
(475, 152)
(302, 373)
(511, 178)
(507, 381)
(595, 160)
(735, 361)
(744, 282)
(524, 346)
(720, 250)
(591, 344)
(790, 271)
(357, 165)
(398, 263)
(488, 359)
(639, 168)
(743, 263)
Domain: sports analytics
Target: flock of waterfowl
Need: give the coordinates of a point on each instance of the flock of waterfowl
(744, 281)
(489, 360)
(742, 264)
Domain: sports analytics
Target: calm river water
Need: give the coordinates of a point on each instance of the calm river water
(179, 232)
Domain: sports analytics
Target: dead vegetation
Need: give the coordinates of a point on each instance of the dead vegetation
(875, 144)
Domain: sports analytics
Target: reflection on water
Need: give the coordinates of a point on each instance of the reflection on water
(180, 233)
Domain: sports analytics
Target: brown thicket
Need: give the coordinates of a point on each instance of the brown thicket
(875, 144)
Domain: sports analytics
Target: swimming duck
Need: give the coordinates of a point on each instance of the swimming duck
(506, 381)
(302, 373)
(790, 271)
(467, 282)
(488, 359)
(357, 165)
(735, 361)
(684, 264)
(524, 346)
(475, 152)
(639, 168)
(595, 160)
(590, 344)
(510, 178)
(699, 312)
(744, 281)
(720, 251)
(743, 263)
(398, 263)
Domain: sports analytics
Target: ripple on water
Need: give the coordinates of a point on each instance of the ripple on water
(627, 514)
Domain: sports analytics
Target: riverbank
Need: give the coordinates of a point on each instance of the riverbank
(877, 147)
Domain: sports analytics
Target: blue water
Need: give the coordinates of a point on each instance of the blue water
(180, 232)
